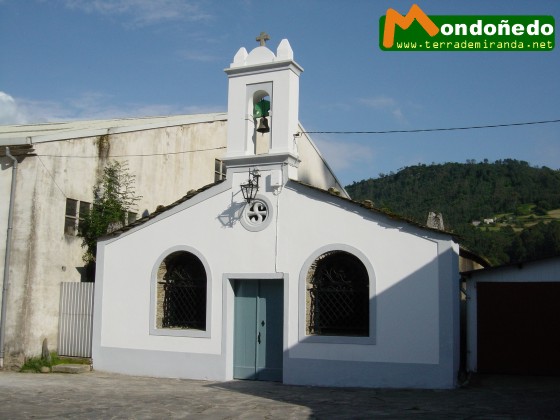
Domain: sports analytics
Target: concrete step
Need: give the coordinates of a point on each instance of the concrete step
(71, 368)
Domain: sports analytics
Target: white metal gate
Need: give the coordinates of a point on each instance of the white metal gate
(76, 319)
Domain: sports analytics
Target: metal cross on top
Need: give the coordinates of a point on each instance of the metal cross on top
(262, 38)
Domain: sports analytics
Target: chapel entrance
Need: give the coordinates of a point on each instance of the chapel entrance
(258, 330)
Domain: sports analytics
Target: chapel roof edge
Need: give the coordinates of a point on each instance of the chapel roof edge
(262, 55)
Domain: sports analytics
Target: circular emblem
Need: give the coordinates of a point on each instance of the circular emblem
(257, 215)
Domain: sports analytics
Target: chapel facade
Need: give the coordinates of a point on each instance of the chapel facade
(264, 277)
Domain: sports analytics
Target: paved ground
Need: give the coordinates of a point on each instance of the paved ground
(98, 395)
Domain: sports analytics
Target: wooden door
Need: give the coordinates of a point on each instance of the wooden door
(258, 330)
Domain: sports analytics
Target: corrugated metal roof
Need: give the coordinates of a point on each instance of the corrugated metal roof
(39, 133)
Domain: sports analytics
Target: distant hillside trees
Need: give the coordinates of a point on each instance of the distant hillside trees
(509, 190)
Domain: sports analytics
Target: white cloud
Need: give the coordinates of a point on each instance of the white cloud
(10, 112)
(31, 111)
(343, 155)
(89, 106)
(379, 102)
(385, 103)
(143, 12)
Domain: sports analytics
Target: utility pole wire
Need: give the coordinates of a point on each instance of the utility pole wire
(420, 130)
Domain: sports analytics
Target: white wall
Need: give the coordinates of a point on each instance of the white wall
(415, 283)
(407, 287)
(168, 161)
(130, 262)
(405, 284)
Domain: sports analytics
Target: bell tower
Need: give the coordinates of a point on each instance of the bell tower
(263, 101)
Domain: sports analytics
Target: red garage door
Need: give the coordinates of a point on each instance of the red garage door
(519, 328)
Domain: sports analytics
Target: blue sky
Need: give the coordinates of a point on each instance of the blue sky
(90, 59)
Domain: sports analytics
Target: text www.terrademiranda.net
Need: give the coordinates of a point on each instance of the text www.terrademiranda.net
(475, 45)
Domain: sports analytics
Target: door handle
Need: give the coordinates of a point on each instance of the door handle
(259, 338)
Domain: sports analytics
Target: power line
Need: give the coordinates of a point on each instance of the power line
(52, 177)
(138, 155)
(419, 130)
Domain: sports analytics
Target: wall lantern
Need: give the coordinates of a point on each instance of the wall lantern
(251, 187)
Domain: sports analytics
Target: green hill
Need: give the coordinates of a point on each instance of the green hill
(519, 202)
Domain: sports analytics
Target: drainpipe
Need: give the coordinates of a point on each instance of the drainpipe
(7, 257)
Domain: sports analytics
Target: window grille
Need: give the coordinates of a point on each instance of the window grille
(182, 292)
(338, 296)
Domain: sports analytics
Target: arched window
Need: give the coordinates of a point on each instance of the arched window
(337, 296)
(181, 292)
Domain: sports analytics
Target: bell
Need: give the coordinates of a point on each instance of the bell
(263, 126)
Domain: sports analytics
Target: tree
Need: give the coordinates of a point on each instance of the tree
(113, 198)
(467, 192)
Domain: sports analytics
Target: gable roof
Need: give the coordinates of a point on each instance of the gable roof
(161, 209)
(331, 193)
(366, 204)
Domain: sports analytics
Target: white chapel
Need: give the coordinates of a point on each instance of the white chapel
(266, 276)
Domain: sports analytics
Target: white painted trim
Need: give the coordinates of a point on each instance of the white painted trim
(449, 296)
(264, 68)
(303, 336)
(153, 297)
(254, 227)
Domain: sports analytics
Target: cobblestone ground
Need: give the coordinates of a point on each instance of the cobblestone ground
(99, 395)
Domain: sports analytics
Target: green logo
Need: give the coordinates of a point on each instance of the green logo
(418, 32)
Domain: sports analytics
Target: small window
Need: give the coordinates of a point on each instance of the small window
(85, 208)
(71, 217)
(75, 213)
(338, 296)
(131, 217)
(181, 292)
(219, 170)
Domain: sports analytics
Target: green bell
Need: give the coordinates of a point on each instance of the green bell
(261, 109)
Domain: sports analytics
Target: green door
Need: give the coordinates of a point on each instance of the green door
(258, 330)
